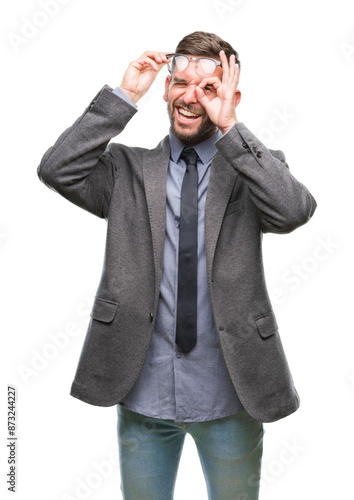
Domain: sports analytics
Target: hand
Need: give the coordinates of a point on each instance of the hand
(141, 73)
(221, 107)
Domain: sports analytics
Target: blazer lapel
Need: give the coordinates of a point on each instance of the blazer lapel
(155, 168)
(221, 182)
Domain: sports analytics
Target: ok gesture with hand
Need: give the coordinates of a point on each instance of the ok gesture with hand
(221, 107)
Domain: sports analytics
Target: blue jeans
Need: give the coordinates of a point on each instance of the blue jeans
(230, 451)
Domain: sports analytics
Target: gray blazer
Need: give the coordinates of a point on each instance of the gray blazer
(251, 191)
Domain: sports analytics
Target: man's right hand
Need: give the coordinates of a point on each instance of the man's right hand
(141, 73)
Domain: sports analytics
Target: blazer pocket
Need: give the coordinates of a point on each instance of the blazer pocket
(266, 325)
(104, 310)
(235, 206)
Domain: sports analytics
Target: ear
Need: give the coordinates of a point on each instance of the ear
(167, 84)
(237, 97)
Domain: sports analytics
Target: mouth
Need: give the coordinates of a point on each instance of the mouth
(185, 116)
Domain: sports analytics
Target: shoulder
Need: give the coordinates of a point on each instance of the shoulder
(119, 151)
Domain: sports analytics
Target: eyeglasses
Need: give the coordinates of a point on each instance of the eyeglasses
(204, 66)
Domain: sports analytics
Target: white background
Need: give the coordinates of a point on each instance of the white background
(298, 62)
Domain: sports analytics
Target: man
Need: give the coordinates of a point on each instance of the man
(182, 335)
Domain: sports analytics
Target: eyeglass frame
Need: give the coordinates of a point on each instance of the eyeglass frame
(196, 59)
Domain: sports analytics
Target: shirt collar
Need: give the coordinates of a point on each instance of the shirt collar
(206, 149)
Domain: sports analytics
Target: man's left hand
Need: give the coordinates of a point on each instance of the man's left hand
(221, 107)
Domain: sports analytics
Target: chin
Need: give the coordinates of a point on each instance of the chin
(187, 133)
(191, 137)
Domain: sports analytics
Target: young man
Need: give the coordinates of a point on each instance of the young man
(182, 335)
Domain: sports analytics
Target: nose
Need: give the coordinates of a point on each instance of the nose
(190, 96)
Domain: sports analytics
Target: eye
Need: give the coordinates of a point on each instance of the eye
(209, 88)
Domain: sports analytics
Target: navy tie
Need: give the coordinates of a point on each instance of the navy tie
(186, 330)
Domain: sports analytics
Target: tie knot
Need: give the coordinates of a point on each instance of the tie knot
(189, 155)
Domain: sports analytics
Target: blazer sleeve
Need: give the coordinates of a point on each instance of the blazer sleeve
(283, 203)
(79, 166)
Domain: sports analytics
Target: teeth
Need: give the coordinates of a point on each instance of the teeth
(184, 112)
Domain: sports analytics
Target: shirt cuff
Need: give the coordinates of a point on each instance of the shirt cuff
(119, 92)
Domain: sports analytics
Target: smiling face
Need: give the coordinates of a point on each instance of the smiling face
(189, 120)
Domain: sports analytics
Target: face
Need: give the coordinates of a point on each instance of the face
(189, 120)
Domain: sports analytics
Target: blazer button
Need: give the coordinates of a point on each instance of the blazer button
(259, 154)
(245, 145)
(151, 317)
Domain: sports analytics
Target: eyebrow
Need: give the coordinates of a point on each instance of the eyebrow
(179, 80)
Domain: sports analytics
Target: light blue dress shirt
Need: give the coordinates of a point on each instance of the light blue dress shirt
(173, 385)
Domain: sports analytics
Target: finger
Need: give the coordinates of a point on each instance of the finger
(163, 56)
(141, 60)
(237, 72)
(232, 81)
(235, 76)
(215, 81)
(225, 66)
(202, 98)
(157, 57)
(232, 65)
(154, 62)
(142, 64)
(160, 57)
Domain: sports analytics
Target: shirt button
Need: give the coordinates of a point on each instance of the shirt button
(178, 354)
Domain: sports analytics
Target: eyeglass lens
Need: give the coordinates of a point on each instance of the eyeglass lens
(204, 67)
